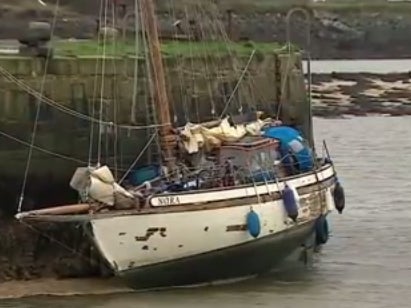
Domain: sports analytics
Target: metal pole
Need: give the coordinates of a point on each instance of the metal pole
(307, 16)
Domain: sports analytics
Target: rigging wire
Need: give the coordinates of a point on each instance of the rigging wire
(92, 261)
(93, 102)
(41, 149)
(207, 67)
(150, 105)
(179, 68)
(34, 131)
(114, 86)
(153, 137)
(234, 60)
(67, 110)
(238, 84)
(284, 82)
(193, 96)
(103, 70)
(136, 61)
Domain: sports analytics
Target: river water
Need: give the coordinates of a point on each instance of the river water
(377, 66)
(366, 263)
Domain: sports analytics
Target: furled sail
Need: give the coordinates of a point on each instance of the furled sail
(99, 185)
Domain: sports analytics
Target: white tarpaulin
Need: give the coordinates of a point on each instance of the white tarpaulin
(98, 184)
(196, 136)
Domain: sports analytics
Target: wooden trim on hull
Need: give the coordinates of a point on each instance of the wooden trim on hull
(202, 197)
(210, 205)
(322, 185)
(251, 258)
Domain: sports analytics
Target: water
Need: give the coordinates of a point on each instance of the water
(380, 66)
(367, 262)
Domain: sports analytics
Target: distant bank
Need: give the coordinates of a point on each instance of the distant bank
(340, 30)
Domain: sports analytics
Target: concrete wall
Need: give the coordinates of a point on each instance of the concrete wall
(196, 87)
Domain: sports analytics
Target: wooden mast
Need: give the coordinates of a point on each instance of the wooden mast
(161, 102)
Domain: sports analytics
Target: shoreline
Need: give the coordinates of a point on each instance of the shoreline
(361, 94)
(61, 287)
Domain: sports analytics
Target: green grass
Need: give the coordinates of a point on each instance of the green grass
(171, 48)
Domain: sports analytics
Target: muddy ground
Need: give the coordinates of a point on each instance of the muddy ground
(31, 250)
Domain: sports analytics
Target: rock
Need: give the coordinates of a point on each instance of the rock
(68, 254)
(108, 33)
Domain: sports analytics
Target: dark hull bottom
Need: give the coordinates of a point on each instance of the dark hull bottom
(253, 258)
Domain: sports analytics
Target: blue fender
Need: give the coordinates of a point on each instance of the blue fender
(290, 203)
(253, 224)
(322, 232)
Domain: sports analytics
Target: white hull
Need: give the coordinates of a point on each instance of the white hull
(141, 240)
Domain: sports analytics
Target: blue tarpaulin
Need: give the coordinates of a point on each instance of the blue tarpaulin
(291, 142)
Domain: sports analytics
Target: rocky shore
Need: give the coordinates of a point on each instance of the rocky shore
(53, 251)
(361, 94)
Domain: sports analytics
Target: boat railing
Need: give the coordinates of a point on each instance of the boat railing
(225, 175)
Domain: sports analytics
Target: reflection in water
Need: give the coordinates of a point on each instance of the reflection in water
(367, 262)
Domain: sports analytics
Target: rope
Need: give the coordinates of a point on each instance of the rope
(179, 70)
(92, 261)
(192, 80)
(33, 136)
(238, 84)
(42, 149)
(221, 29)
(139, 156)
(115, 96)
(67, 110)
(93, 111)
(284, 82)
(137, 46)
(207, 58)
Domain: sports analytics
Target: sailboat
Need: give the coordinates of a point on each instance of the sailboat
(263, 194)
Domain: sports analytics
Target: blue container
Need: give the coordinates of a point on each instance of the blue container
(143, 174)
(262, 176)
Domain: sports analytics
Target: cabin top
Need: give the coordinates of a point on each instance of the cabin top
(250, 143)
(257, 152)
